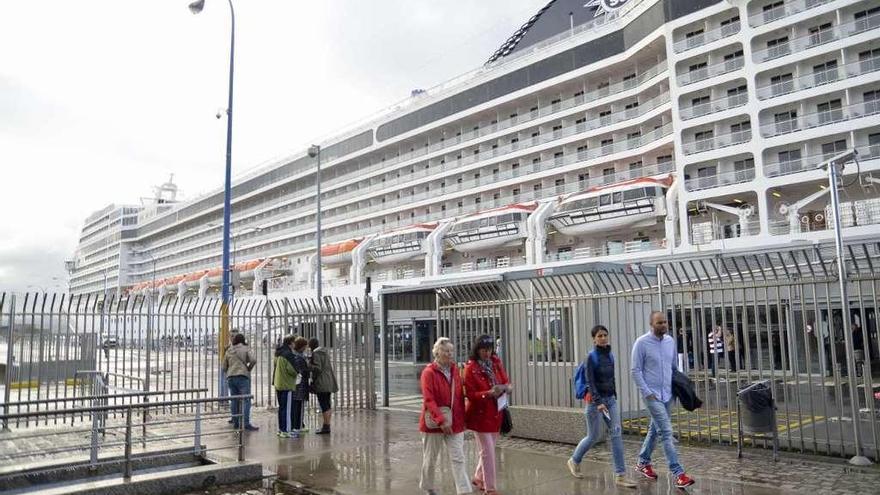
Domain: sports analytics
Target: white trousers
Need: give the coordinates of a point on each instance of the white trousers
(431, 445)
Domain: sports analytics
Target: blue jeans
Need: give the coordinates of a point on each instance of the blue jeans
(595, 419)
(661, 424)
(240, 385)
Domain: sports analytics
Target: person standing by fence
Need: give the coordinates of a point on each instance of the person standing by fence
(237, 365)
(442, 421)
(485, 381)
(301, 393)
(284, 379)
(653, 360)
(602, 408)
(716, 349)
(323, 382)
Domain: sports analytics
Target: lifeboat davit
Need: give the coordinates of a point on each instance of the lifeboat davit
(338, 253)
(631, 204)
(401, 245)
(491, 229)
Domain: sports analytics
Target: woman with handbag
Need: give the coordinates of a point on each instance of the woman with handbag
(485, 381)
(442, 420)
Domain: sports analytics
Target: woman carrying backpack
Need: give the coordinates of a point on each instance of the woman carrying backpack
(285, 380)
(602, 407)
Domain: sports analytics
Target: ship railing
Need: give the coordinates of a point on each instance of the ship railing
(821, 118)
(787, 9)
(797, 45)
(703, 73)
(722, 141)
(707, 37)
(714, 106)
(721, 179)
(819, 78)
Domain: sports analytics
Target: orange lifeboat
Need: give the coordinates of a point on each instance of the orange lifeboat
(338, 253)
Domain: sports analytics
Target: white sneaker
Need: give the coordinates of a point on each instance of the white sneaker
(574, 468)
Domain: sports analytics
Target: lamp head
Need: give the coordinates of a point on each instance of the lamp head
(314, 150)
(197, 6)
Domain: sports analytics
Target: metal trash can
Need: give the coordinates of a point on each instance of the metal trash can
(756, 412)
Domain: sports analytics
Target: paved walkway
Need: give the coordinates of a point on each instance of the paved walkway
(380, 452)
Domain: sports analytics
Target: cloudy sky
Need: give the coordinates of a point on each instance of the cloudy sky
(100, 100)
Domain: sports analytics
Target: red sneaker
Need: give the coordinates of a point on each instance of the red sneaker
(647, 471)
(683, 480)
(478, 484)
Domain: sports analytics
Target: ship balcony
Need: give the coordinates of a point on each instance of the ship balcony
(821, 118)
(714, 106)
(707, 37)
(399, 273)
(812, 162)
(817, 79)
(714, 180)
(696, 75)
(787, 9)
(713, 143)
(801, 44)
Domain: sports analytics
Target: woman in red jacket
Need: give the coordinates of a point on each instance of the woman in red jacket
(443, 396)
(485, 381)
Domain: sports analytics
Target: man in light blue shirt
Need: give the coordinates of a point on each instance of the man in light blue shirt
(653, 361)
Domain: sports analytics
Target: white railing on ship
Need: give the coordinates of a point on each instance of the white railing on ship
(819, 119)
(815, 79)
(707, 37)
(630, 144)
(859, 213)
(812, 162)
(718, 180)
(568, 131)
(714, 106)
(789, 8)
(713, 70)
(717, 232)
(822, 37)
(717, 142)
(624, 247)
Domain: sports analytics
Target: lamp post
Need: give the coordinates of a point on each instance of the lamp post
(315, 152)
(833, 175)
(195, 8)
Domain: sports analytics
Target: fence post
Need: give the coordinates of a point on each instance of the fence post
(270, 343)
(241, 429)
(93, 454)
(127, 443)
(197, 434)
(7, 390)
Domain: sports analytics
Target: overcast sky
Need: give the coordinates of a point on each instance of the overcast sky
(100, 100)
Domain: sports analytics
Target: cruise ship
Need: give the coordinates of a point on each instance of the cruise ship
(607, 130)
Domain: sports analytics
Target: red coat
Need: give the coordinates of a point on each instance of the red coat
(436, 391)
(482, 413)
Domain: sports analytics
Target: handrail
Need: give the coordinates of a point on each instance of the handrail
(146, 405)
(8, 405)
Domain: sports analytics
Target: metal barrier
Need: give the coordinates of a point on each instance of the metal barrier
(780, 313)
(127, 411)
(54, 344)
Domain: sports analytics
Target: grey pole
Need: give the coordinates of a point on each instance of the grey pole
(858, 459)
(315, 152)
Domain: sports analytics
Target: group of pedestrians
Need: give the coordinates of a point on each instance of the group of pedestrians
(484, 383)
(446, 415)
(294, 376)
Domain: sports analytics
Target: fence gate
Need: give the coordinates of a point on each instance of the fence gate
(54, 346)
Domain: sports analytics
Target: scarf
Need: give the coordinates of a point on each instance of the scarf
(489, 370)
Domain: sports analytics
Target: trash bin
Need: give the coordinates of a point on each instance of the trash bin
(757, 415)
(757, 411)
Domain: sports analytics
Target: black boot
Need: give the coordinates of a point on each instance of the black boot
(325, 430)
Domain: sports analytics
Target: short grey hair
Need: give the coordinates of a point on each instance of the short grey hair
(440, 342)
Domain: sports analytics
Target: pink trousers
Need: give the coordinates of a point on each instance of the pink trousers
(486, 466)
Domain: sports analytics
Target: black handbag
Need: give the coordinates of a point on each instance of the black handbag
(506, 422)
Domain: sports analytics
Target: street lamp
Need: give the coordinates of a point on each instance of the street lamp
(315, 152)
(835, 163)
(195, 8)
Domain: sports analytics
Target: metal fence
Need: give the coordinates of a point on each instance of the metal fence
(55, 346)
(779, 315)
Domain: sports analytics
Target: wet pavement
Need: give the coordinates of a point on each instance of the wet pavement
(380, 452)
